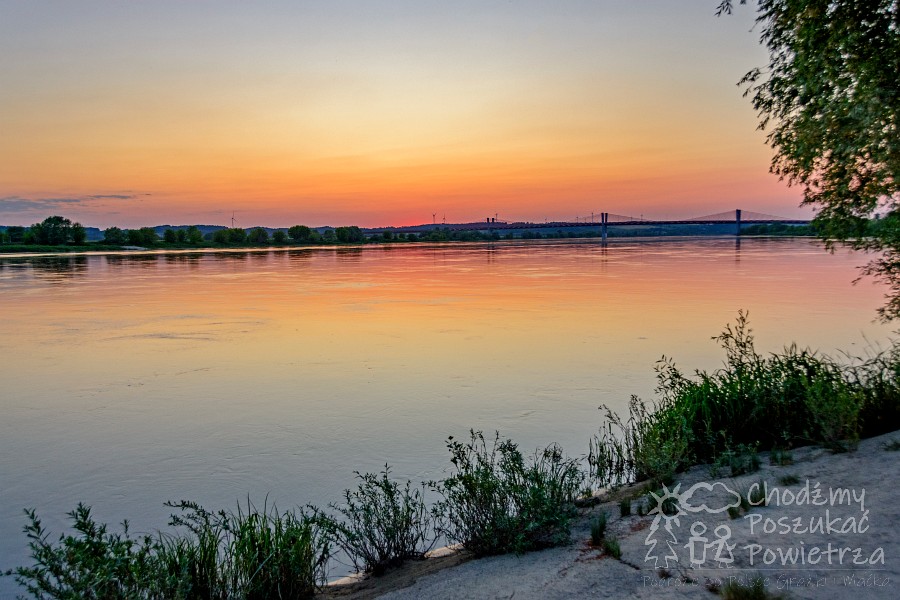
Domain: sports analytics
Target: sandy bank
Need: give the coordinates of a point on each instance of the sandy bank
(829, 531)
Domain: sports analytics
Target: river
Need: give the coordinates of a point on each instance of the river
(132, 379)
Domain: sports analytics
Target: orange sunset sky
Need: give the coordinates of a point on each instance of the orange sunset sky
(377, 112)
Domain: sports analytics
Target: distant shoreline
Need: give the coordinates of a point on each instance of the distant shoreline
(55, 251)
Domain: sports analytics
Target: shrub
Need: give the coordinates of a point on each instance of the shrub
(91, 563)
(495, 503)
(250, 555)
(611, 546)
(625, 507)
(598, 528)
(786, 399)
(384, 524)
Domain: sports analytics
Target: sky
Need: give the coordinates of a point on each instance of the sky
(378, 112)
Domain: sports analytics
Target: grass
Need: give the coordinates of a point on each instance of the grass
(497, 502)
(598, 529)
(789, 480)
(752, 402)
(734, 590)
(384, 524)
(611, 546)
(892, 446)
(625, 507)
(250, 554)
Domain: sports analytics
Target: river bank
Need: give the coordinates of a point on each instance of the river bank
(850, 494)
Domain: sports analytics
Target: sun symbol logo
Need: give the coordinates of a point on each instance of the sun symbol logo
(666, 510)
(667, 506)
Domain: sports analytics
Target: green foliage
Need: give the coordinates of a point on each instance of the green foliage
(91, 563)
(299, 233)
(258, 235)
(384, 524)
(496, 503)
(279, 237)
(781, 458)
(790, 398)
(15, 234)
(193, 235)
(756, 590)
(56, 231)
(252, 555)
(830, 99)
(598, 529)
(145, 237)
(114, 236)
(789, 480)
(611, 546)
(169, 236)
(625, 507)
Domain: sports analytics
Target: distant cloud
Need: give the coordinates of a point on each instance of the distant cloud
(18, 204)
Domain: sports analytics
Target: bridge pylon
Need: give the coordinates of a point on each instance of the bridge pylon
(737, 222)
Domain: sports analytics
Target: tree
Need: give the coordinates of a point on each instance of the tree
(236, 235)
(15, 234)
(52, 231)
(194, 236)
(144, 237)
(78, 233)
(258, 235)
(114, 236)
(279, 237)
(181, 236)
(169, 236)
(299, 233)
(830, 99)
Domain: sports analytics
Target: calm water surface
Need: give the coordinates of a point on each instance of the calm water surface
(129, 380)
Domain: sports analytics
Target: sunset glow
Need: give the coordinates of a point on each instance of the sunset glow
(377, 113)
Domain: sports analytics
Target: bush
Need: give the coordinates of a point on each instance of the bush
(384, 524)
(251, 555)
(91, 563)
(598, 529)
(780, 401)
(496, 503)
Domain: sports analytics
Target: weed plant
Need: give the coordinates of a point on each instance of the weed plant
(248, 554)
(496, 503)
(384, 524)
(778, 401)
(611, 546)
(625, 507)
(598, 529)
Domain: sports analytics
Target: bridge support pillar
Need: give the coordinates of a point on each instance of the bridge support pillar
(604, 219)
(737, 222)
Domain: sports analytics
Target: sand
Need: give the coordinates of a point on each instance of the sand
(831, 534)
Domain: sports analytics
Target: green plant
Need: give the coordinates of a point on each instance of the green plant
(625, 507)
(598, 528)
(91, 563)
(611, 546)
(789, 480)
(384, 523)
(892, 446)
(757, 494)
(751, 402)
(781, 458)
(756, 590)
(495, 502)
(734, 512)
(251, 554)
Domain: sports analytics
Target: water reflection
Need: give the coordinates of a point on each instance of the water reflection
(58, 268)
